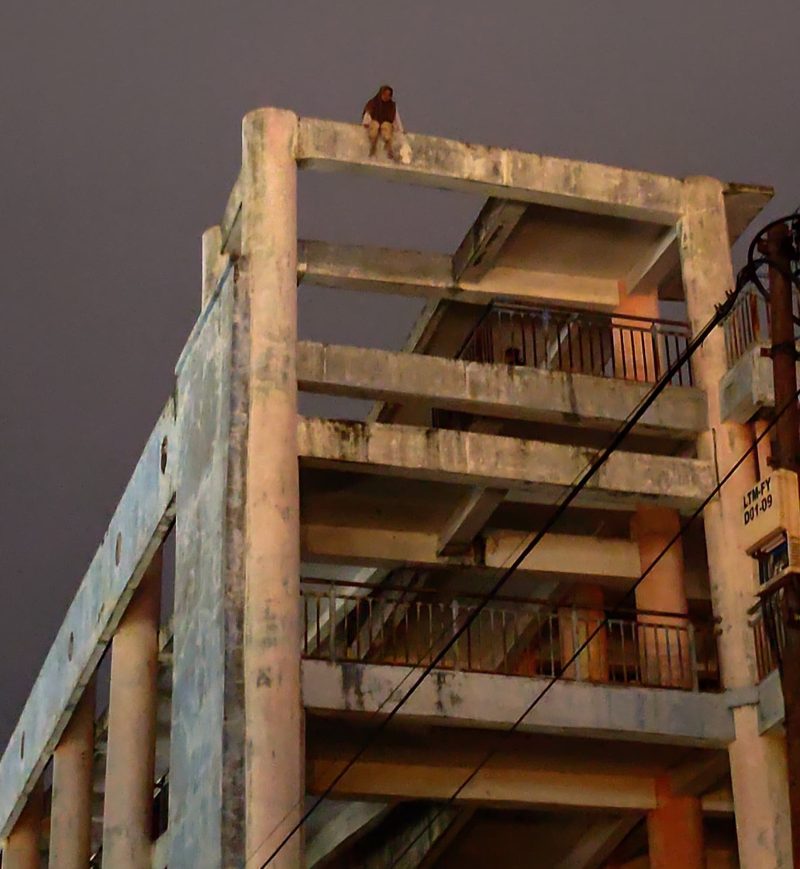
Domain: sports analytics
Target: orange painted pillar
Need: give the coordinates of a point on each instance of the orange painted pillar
(71, 809)
(675, 831)
(130, 764)
(635, 349)
(22, 846)
(575, 625)
(665, 646)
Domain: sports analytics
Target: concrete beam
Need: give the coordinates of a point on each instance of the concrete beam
(537, 469)
(450, 826)
(429, 275)
(718, 802)
(490, 171)
(416, 842)
(658, 263)
(137, 528)
(468, 519)
(699, 775)
(743, 203)
(343, 822)
(506, 786)
(479, 700)
(521, 393)
(484, 239)
(598, 843)
(593, 558)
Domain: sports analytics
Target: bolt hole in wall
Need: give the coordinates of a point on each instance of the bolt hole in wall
(118, 548)
(351, 210)
(164, 454)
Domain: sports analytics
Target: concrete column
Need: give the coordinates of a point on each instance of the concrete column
(575, 625)
(71, 808)
(213, 263)
(675, 831)
(130, 763)
(759, 790)
(664, 643)
(274, 778)
(22, 846)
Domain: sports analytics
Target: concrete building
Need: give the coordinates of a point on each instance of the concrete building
(189, 720)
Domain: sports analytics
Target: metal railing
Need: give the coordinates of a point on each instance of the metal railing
(749, 324)
(586, 342)
(510, 636)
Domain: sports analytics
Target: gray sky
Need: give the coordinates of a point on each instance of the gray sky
(120, 138)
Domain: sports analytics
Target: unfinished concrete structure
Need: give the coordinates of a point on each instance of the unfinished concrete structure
(319, 562)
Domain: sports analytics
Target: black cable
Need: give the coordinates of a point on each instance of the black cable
(721, 312)
(600, 626)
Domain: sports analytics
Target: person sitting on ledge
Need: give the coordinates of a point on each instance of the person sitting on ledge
(382, 118)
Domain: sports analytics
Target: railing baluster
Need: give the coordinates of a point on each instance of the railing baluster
(694, 663)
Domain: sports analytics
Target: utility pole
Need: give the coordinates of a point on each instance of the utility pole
(778, 248)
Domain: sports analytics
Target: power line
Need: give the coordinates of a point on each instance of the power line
(721, 312)
(600, 626)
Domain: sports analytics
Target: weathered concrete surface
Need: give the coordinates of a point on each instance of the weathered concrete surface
(597, 844)
(591, 558)
(140, 523)
(533, 467)
(70, 845)
(411, 273)
(335, 824)
(231, 224)
(468, 519)
(770, 702)
(131, 741)
(207, 740)
(22, 849)
(501, 786)
(214, 262)
(273, 706)
(484, 239)
(504, 391)
(437, 162)
(747, 388)
(411, 837)
(758, 776)
(655, 265)
(743, 203)
(495, 702)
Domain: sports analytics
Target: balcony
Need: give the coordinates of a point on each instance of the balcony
(747, 326)
(511, 636)
(578, 341)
